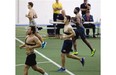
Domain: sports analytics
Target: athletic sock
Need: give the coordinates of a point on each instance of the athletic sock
(45, 73)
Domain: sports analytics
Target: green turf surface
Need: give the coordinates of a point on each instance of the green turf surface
(52, 51)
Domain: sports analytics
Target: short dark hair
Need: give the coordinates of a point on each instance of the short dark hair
(68, 17)
(30, 3)
(33, 28)
(77, 8)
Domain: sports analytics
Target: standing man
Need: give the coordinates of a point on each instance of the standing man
(84, 7)
(57, 7)
(67, 45)
(80, 31)
(31, 42)
(31, 16)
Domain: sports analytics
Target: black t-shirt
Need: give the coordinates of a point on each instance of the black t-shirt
(83, 6)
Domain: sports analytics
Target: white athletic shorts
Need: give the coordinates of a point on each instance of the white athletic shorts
(33, 23)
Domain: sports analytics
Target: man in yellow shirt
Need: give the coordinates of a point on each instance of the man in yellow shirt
(57, 7)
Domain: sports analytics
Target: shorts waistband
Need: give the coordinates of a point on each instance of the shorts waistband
(30, 53)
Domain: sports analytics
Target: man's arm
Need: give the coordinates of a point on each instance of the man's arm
(22, 46)
(30, 15)
(85, 9)
(38, 43)
(88, 6)
(72, 34)
(82, 7)
(84, 18)
(91, 18)
(35, 16)
(78, 19)
(55, 9)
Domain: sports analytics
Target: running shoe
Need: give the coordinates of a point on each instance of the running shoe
(75, 53)
(61, 70)
(83, 61)
(44, 44)
(93, 52)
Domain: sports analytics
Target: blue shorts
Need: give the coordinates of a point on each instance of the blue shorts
(80, 31)
(67, 46)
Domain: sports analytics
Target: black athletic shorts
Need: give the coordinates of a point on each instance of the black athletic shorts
(67, 46)
(31, 60)
(80, 31)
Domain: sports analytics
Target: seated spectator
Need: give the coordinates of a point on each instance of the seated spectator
(89, 18)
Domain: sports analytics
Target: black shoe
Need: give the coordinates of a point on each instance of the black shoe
(39, 28)
(61, 70)
(83, 61)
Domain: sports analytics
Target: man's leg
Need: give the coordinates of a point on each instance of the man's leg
(73, 57)
(55, 19)
(93, 27)
(82, 34)
(41, 39)
(63, 63)
(77, 58)
(57, 31)
(26, 68)
(89, 45)
(74, 46)
(38, 69)
(63, 60)
(87, 32)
